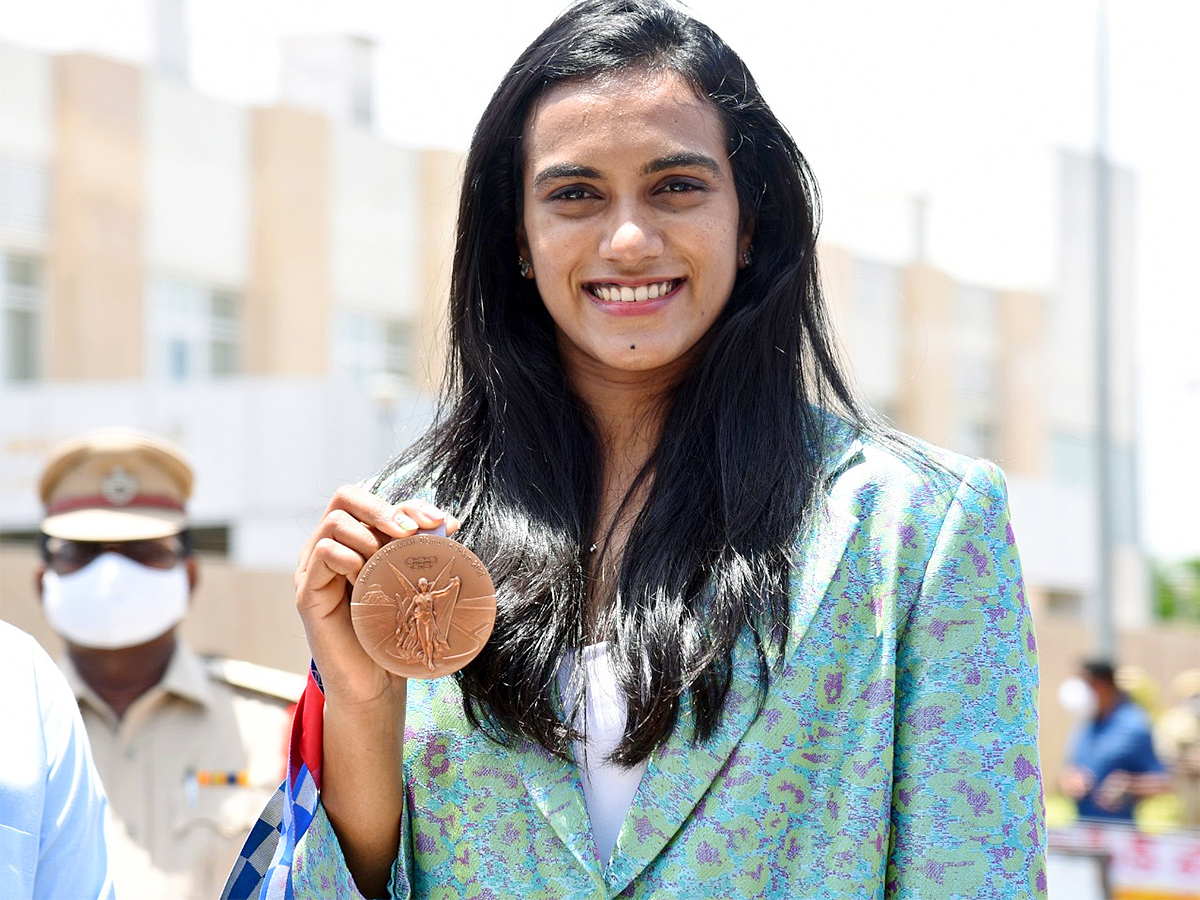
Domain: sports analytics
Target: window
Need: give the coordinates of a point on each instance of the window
(975, 308)
(369, 344)
(975, 438)
(177, 360)
(975, 381)
(1064, 603)
(24, 196)
(974, 370)
(225, 355)
(194, 331)
(396, 352)
(20, 302)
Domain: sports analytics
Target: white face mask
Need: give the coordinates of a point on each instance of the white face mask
(114, 602)
(1077, 698)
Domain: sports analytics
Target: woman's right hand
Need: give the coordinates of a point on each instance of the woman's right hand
(362, 786)
(355, 524)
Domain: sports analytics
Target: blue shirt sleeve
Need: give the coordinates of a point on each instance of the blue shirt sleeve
(1122, 743)
(53, 819)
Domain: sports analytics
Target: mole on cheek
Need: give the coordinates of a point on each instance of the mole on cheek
(631, 347)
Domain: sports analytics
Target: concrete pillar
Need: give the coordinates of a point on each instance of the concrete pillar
(1023, 437)
(95, 278)
(440, 174)
(288, 302)
(925, 397)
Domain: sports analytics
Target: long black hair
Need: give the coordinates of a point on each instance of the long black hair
(736, 473)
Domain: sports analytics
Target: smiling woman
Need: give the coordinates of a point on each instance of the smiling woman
(631, 224)
(748, 642)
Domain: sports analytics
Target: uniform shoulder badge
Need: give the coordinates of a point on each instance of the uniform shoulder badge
(274, 683)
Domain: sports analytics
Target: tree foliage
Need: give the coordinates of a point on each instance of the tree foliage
(1175, 588)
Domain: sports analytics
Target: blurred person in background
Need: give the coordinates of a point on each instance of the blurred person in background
(1112, 764)
(52, 807)
(187, 753)
(1177, 741)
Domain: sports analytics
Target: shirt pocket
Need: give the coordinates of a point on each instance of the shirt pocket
(226, 811)
(18, 861)
(209, 827)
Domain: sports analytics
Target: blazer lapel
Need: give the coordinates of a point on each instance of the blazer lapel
(815, 562)
(679, 773)
(555, 789)
(820, 549)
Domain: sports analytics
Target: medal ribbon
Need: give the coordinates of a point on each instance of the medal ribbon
(263, 870)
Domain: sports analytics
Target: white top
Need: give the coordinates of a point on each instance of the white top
(607, 788)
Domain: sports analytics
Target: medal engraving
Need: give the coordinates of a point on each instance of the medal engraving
(423, 606)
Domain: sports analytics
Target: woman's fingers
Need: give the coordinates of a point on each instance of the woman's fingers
(329, 568)
(424, 513)
(360, 522)
(355, 525)
(323, 603)
(353, 504)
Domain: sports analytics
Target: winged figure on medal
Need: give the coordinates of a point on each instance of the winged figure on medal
(424, 614)
(418, 626)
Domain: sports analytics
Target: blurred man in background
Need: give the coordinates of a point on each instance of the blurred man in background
(1112, 763)
(1177, 740)
(189, 750)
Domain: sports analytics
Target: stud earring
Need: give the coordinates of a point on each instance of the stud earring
(747, 256)
(524, 266)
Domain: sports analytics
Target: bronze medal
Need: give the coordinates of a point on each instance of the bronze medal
(423, 606)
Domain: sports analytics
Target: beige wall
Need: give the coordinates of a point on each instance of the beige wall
(837, 266)
(440, 177)
(93, 321)
(925, 404)
(288, 296)
(1022, 406)
(247, 615)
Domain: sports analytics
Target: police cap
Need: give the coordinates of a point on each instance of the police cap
(116, 484)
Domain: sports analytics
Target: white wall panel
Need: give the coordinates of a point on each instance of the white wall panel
(26, 148)
(197, 185)
(1055, 527)
(26, 103)
(373, 234)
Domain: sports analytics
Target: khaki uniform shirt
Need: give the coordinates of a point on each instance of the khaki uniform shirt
(174, 836)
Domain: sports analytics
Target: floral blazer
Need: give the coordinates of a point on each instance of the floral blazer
(895, 755)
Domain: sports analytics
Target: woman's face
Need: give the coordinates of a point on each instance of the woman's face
(631, 221)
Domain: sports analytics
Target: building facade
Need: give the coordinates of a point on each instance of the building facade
(1010, 375)
(266, 287)
(263, 286)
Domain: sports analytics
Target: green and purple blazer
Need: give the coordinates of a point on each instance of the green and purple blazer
(895, 754)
